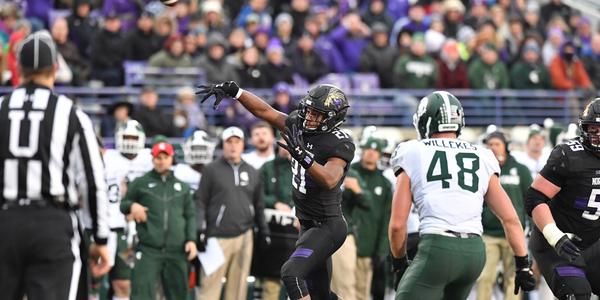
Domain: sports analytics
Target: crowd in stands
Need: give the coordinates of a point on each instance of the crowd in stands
(478, 44)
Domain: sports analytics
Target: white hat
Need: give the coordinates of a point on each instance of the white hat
(212, 6)
(232, 131)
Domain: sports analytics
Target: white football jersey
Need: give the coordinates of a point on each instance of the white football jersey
(448, 180)
(118, 172)
(188, 175)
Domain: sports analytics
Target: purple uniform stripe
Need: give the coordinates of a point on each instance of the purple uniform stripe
(570, 271)
(580, 203)
(302, 252)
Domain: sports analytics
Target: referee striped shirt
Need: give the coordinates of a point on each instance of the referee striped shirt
(45, 143)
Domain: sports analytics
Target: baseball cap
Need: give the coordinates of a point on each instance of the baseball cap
(162, 147)
(373, 143)
(37, 51)
(231, 132)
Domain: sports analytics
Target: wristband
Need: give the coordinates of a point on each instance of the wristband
(239, 93)
(398, 263)
(552, 233)
(522, 262)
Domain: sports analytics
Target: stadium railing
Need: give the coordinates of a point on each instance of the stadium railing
(383, 107)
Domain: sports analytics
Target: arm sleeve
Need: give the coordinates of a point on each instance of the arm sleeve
(86, 147)
(526, 180)
(259, 209)
(202, 197)
(556, 168)
(189, 214)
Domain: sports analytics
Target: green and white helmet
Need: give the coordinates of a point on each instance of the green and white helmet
(439, 111)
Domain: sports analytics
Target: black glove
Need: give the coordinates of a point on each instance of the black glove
(566, 248)
(295, 145)
(524, 277)
(220, 91)
(201, 241)
(399, 266)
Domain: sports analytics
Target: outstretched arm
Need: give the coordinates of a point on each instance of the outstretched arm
(251, 102)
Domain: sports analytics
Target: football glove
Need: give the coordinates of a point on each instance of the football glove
(295, 143)
(399, 266)
(220, 91)
(524, 276)
(566, 248)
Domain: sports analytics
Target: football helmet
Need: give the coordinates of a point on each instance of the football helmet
(591, 116)
(328, 100)
(198, 148)
(130, 138)
(437, 112)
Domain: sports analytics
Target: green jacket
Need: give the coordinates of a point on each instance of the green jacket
(525, 76)
(351, 200)
(171, 212)
(276, 176)
(483, 76)
(372, 217)
(515, 179)
(415, 72)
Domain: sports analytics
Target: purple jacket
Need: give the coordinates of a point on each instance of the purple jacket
(330, 54)
(350, 47)
(126, 9)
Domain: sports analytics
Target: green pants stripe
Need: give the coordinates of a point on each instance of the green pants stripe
(444, 268)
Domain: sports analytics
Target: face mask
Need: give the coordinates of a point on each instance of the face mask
(568, 56)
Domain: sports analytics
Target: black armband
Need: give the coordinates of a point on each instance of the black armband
(533, 199)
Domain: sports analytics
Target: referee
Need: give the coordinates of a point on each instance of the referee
(44, 141)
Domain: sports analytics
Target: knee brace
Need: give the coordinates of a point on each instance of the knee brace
(571, 284)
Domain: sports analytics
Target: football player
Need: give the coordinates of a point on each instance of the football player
(563, 201)
(448, 180)
(122, 165)
(198, 151)
(321, 156)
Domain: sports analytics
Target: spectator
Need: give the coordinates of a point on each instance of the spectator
(306, 62)
(108, 52)
(118, 114)
(201, 39)
(21, 30)
(488, 72)
(82, 26)
(584, 35)
(252, 24)
(478, 12)
(434, 36)
(555, 7)
(403, 43)
(258, 7)
(182, 16)
(498, 16)
(376, 13)
(536, 152)
(172, 56)
(454, 12)
(532, 19)
(299, 11)
(213, 62)
(190, 46)
(283, 101)
(276, 175)
(152, 118)
(283, 29)
(414, 22)
(9, 15)
(261, 38)
(350, 37)
(230, 204)
(213, 17)
(378, 56)
(567, 70)
(515, 40)
(592, 61)
(416, 70)
(237, 115)
(325, 47)
(238, 41)
(165, 27)
(166, 233)
(188, 116)
(276, 69)
(126, 11)
(515, 179)
(143, 42)
(452, 70)
(263, 141)
(530, 73)
(79, 67)
(552, 44)
(250, 72)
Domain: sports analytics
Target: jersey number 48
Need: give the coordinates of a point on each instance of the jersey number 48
(439, 157)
